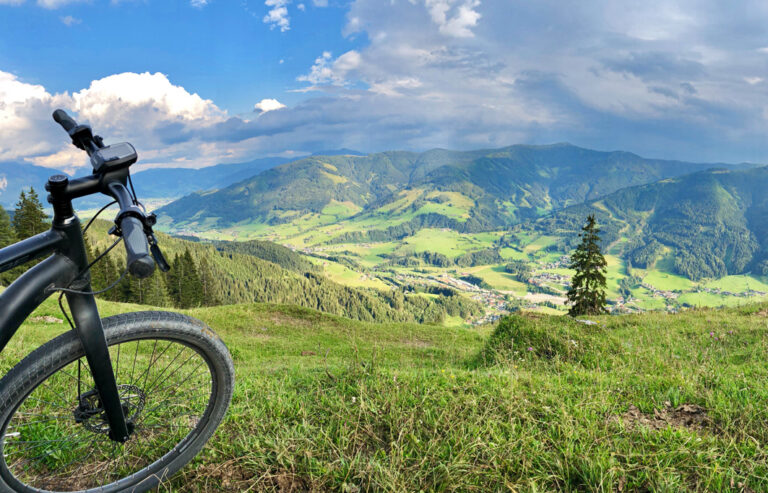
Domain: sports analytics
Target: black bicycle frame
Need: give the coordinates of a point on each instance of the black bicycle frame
(67, 267)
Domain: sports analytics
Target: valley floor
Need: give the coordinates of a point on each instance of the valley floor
(652, 402)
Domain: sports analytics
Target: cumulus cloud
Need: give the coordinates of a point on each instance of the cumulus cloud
(268, 105)
(326, 70)
(677, 81)
(198, 3)
(277, 16)
(454, 18)
(160, 118)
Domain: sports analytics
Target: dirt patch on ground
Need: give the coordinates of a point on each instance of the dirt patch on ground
(688, 416)
(228, 476)
(762, 313)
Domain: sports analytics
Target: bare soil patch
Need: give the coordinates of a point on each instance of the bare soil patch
(688, 416)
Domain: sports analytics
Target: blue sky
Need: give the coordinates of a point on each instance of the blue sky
(196, 83)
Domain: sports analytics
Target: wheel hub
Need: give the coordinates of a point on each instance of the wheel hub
(90, 413)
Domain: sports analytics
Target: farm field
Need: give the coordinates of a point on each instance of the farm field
(655, 402)
(659, 288)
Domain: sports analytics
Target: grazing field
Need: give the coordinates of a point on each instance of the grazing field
(651, 402)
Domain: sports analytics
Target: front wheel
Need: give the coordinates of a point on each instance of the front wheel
(175, 378)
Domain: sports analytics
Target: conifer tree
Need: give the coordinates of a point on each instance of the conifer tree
(587, 292)
(29, 218)
(173, 284)
(156, 294)
(192, 294)
(207, 281)
(7, 235)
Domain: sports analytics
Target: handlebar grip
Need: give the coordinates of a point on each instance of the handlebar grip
(140, 262)
(62, 118)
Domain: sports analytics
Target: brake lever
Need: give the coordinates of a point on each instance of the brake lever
(154, 249)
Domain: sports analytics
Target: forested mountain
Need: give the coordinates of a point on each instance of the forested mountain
(272, 252)
(714, 222)
(468, 191)
(226, 277)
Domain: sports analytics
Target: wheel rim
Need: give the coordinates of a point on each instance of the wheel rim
(57, 438)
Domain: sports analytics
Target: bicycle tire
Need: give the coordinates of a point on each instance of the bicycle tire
(50, 360)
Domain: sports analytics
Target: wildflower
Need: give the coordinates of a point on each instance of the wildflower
(730, 332)
(530, 348)
(515, 367)
(354, 399)
(717, 339)
(711, 334)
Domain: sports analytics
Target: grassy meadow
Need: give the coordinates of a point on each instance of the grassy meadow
(651, 402)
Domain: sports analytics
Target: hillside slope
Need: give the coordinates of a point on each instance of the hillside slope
(468, 191)
(651, 402)
(237, 277)
(714, 222)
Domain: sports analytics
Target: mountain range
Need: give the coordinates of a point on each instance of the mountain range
(469, 191)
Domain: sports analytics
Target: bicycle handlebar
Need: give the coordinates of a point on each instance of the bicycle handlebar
(62, 118)
(140, 262)
(131, 220)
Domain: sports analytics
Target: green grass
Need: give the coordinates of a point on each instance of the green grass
(399, 407)
(737, 284)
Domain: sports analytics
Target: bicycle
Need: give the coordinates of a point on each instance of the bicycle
(115, 404)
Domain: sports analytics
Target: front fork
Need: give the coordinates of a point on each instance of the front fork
(91, 333)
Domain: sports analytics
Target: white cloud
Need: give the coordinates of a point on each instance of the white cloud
(198, 3)
(70, 21)
(160, 118)
(11, 2)
(278, 15)
(151, 96)
(320, 3)
(454, 17)
(268, 105)
(301, 7)
(328, 71)
(24, 114)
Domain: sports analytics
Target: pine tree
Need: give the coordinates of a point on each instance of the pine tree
(156, 294)
(7, 235)
(29, 218)
(207, 281)
(587, 292)
(173, 281)
(192, 294)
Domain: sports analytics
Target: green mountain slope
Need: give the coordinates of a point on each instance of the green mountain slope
(713, 223)
(240, 276)
(468, 191)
